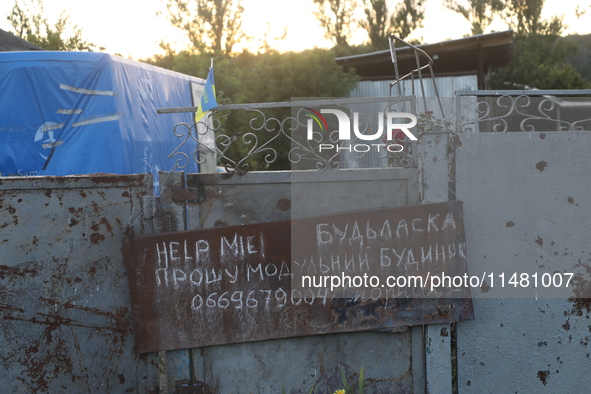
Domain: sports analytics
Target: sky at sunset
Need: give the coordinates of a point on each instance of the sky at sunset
(133, 29)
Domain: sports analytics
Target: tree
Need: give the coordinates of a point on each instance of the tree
(379, 23)
(282, 77)
(540, 62)
(28, 22)
(266, 43)
(210, 25)
(480, 13)
(376, 23)
(580, 59)
(525, 17)
(408, 17)
(264, 77)
(337, 19)
(540, 52)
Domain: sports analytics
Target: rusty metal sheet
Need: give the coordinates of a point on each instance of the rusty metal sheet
(65, 312)
(244, 283)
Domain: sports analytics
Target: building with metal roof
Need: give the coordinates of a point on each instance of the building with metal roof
(475, 55)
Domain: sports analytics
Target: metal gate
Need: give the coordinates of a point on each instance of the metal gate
(66, 323)
(414, 360)
(394, 361)
(66, 314)
(64, 297)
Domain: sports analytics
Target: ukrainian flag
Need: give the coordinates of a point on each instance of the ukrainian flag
(208, 100)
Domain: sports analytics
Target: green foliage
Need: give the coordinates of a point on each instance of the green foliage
(334, 384)
(525, 17)
(408, 17)
(29, 23)
(376, 22)
(266, 43)
(540, 62)
(540, 52)
(267, 77)
(336, 18)
(210, 25)
(581, 60)
(311, 73)
(480, 13)
(380, 23)
(361, 380)
(344, 380)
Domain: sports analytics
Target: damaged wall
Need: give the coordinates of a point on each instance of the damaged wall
(526, 205)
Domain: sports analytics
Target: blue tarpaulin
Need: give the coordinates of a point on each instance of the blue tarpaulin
(64, 113)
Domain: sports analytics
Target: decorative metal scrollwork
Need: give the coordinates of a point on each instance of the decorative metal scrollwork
(506, 112)
(265, 138)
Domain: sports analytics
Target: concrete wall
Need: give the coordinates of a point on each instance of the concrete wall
(526, 209)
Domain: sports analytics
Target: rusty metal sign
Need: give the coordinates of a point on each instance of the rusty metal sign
(279, 279)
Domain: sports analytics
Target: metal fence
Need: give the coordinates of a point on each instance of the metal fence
(525, 110)
(264, 136)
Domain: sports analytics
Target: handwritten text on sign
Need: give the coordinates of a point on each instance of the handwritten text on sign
(279, 279)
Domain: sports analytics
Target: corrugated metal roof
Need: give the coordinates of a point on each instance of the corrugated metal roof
(453, 57)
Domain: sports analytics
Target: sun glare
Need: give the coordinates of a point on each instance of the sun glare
(133, 29)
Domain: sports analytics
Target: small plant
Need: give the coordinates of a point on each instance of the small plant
(361, 379)
(346, 384)
(344, 379)
(348, 389)
(428, 122)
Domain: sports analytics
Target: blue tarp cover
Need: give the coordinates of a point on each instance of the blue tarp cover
(64, 113)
